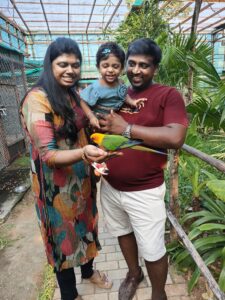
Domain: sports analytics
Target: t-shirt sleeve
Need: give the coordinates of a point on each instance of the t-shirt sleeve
(174, 110)
(90, 95)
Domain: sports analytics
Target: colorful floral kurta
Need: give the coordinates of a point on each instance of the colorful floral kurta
(65, 200)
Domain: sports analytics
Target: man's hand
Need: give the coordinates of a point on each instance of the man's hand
(94, 122)
(112, 123)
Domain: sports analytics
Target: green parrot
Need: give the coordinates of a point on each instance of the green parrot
(111, 142)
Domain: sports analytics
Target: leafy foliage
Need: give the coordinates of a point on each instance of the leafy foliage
(207, 235)
(217, 142)
(142, 22)
(49, 283)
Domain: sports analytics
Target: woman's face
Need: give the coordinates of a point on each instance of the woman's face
(66, 69)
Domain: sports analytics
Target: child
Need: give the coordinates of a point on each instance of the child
(109, 92)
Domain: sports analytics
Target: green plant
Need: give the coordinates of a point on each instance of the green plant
(193, 172)
(146, 21)
(4, 242)
(209, 100)
(49, 284)
(5, 239)
(207, 235)
(178, 58)
(23, 162)
(217, 142)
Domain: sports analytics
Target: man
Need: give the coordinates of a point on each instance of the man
(132, 195)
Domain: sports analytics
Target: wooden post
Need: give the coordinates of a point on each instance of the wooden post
(173, 189)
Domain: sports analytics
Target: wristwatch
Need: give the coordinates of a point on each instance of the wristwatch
(127, 131)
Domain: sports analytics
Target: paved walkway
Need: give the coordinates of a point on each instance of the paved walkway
(110, 260)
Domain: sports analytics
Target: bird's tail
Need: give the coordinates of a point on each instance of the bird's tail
(142, 148)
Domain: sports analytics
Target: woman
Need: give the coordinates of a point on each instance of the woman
(61, 176)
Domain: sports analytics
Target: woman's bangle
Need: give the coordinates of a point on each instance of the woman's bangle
(84, 157)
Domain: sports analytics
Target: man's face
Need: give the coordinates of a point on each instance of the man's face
(140, 70)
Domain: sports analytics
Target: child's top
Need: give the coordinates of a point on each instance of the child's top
(102, 99)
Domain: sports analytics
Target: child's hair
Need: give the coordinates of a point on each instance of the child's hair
(110, 48)
(145, 46)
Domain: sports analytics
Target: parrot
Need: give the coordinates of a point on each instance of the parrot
(112, 142)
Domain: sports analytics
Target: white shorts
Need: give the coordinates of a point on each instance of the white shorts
(142, 212)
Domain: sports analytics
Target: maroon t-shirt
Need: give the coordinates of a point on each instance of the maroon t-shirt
(137, 170)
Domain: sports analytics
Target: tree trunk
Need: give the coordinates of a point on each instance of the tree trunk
(198, 4)
(173, 190)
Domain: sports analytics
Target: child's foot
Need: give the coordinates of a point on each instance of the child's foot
(100, 168)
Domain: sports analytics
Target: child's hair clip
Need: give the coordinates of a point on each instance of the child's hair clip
(106, 51)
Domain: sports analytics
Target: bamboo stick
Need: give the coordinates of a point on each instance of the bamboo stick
(218, 164)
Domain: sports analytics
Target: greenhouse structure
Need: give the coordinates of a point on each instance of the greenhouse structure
(27, 28)
(191, 35)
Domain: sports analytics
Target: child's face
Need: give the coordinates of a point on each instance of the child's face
(110, 69)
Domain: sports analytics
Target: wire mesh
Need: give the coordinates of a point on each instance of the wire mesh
(12, 90)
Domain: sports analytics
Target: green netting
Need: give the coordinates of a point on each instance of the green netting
(7, 47)
(11, 37)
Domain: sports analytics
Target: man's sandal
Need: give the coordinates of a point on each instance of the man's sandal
(129, 286)
(78, 298)
(101, 280)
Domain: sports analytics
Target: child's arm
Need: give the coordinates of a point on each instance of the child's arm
(89, 114)
(135, 102)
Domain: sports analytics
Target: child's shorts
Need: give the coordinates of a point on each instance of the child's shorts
(142, 212)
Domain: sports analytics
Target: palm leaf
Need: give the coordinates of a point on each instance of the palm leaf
(211, 226)
(203, 220)
(222, 274)
(218, 188)
(194, 279)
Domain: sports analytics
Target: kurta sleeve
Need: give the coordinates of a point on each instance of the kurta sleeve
(38, 119)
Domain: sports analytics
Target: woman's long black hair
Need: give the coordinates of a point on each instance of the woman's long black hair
(57, 95)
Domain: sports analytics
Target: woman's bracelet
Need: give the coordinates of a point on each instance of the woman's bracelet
(84, 157)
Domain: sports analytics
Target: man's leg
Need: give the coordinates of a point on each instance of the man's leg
(129, 249)
(135, 275)
(157, 272)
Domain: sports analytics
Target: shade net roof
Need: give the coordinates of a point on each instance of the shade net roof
(95, 16)
(65, 16)
(42, 21)
(212, 15)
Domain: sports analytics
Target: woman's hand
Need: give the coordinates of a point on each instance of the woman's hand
(112, 123)
(92, 153)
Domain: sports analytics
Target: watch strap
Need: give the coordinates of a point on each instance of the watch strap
(127, 132)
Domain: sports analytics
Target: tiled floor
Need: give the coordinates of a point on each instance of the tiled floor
(110, 260)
